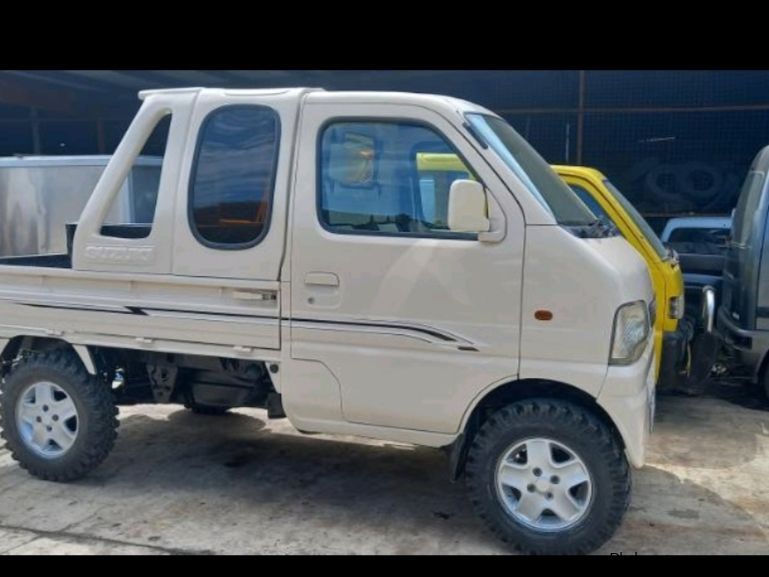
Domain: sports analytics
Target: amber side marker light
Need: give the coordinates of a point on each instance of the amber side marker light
(543, 315)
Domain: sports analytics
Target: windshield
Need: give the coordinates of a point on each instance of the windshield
(546, 186)
(750, 195)
(639, 221)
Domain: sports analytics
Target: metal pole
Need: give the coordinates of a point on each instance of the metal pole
(581, 116)
(35, 127)
(100, 140)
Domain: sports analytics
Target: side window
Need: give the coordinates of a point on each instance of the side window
(591, 202)
(386, 178)
(233, 176)
(133, 209)
(144, 185)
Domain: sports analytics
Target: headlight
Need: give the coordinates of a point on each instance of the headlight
(631, 330)
(676, 307)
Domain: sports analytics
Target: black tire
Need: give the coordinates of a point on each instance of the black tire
(579, 430)
(97, 422)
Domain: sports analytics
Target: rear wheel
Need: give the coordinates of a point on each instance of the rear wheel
(548, 477)
(58, 421)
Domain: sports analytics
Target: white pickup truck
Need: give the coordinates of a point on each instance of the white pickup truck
(299, 261)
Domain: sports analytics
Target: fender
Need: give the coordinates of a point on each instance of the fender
(10, 347)
(86, 358)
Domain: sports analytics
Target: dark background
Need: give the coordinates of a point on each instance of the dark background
(674, 141)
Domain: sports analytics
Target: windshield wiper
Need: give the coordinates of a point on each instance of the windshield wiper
(594, 229)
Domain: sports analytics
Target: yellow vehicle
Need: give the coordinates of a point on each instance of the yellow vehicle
(672, 335)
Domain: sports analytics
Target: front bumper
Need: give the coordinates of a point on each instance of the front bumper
(750, 345)
(628, 396)
(733, 334)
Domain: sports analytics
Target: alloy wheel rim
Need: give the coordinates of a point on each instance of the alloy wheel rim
(47, 419)
(543, 484)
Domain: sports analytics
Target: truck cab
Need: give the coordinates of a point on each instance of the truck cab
(298, 260)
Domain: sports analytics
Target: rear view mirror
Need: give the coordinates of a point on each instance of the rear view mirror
(467, 207)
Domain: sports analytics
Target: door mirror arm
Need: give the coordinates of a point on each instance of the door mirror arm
(497, 222)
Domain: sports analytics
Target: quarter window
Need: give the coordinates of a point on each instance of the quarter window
(392, 178)
(234, 176)
(132, 210)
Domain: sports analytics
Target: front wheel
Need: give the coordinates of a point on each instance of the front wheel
(548, 477)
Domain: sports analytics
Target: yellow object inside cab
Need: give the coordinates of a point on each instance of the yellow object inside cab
(671, 338)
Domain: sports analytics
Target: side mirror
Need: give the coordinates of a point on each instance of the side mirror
(467, 207)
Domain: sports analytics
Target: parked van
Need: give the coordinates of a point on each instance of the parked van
(298, 259)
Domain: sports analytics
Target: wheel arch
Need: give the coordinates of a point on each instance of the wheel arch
(510, 392)
(11, 348)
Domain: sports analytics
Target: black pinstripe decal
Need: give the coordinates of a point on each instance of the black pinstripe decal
(144, 311)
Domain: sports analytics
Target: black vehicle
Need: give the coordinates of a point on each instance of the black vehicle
(743, 316)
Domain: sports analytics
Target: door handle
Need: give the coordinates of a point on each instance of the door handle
(321, 279)
(257, 295)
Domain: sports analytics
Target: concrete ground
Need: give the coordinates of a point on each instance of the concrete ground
(183, 483)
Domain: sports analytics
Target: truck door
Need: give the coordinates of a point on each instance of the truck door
(412, 320)
(230, 214)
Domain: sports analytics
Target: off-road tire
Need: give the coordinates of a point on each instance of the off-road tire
(577, 428)
(97, 415)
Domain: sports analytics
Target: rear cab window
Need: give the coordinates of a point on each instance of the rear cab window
(699, 235)
(233, 176)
